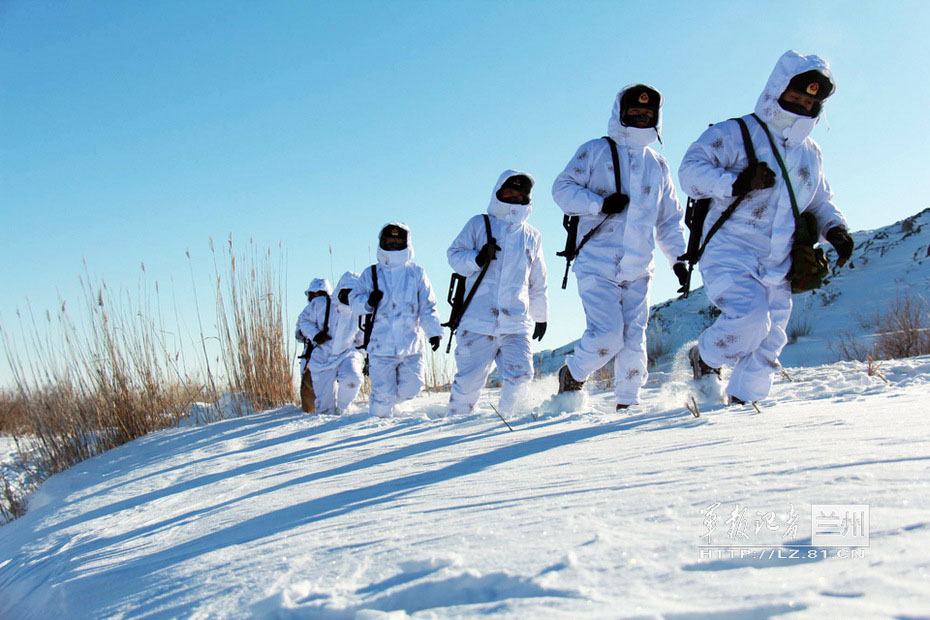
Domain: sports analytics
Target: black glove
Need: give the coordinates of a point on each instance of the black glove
(759, 176)
(615, 203)
(681, 271)
(539, 331)
(841, 242)
(343, 296)
(434, 342)
(374, 298)
(487, 253)
(321, 337)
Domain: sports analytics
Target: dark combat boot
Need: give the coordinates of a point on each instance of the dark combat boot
(698, 367)
(567, 382)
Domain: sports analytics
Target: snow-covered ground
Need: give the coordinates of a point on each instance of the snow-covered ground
(18, 473)
(586, 515)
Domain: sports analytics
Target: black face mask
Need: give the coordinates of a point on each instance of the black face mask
(647, 121)
(797, 108)
(514, 200)
(344, 296)
(392, 243)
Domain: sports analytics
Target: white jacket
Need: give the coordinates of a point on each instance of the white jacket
(513, 294)
(316, 285)
(622, 249)
(408, 303)
(344, 332)
(758, 235)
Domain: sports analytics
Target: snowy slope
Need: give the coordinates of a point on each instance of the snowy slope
(593, 515)
(887, 262)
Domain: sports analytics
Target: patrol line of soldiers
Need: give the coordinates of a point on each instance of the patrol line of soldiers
(622, 194)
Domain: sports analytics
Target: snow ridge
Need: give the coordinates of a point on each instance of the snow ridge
(585, 514)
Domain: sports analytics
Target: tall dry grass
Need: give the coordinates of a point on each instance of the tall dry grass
(117, 369)
(251, 323)
(89, 383)
(438, 372)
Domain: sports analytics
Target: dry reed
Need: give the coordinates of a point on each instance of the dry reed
(87, 383)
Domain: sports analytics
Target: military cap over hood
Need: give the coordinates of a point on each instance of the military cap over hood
(396, 257)
(789, 126)
(513, 213)
(634, 136)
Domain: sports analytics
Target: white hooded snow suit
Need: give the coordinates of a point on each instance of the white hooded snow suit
(316, 285)
(614, 268)
(745, 263)
(512, 297)
(395, 352)
(337, 360)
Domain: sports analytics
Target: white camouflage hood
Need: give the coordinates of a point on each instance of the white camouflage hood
(793, 128)
(634, 136)
(395, 257)
(512, 213)
(348, 280)
(319, 284)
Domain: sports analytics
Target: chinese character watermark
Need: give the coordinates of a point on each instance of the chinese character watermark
(837, 530)
(840, 525)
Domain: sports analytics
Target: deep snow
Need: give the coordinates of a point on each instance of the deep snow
(592, 514)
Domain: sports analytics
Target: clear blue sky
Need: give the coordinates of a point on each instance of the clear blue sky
(133, 131)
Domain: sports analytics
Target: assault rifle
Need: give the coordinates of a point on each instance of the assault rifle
(457, 297)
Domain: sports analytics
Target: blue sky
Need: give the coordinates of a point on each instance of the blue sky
(131, 132)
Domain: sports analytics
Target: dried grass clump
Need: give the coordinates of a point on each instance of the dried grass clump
(255, 347)
(798, 327)
(116, 371)
(903, 330)
(88, 384)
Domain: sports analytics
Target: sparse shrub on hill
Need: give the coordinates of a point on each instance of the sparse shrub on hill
(798, 327)
(901, 330)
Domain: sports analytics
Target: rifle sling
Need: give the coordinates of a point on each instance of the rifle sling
(484, 270)
(309, 345)
(751, 156)
(781, 165)
(329, 301)
(370, 323)
(616, 160)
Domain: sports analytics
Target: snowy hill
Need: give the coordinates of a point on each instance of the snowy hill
(589, 515)
(889, 262)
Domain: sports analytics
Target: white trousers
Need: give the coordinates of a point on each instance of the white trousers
(616, 315)
(750, 331)
(474, 354)
(394, 379)
(347, 374)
